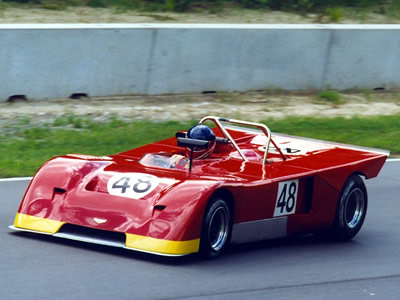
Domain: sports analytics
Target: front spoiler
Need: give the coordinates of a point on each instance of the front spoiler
(132, 241)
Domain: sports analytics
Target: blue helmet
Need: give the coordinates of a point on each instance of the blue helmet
(202, 132)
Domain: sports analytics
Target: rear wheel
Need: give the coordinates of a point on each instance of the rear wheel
(216, 229)
(351, 209)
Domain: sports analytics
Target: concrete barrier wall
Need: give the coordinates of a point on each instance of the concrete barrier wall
(55, 61)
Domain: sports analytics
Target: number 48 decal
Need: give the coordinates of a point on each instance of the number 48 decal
(132, 185)
(286, 198)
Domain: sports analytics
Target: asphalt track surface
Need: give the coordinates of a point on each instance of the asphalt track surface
(368, 267)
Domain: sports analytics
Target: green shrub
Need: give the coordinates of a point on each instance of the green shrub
(254, 3)
(334, 13)
(330, 96)
(96, 3)
(178, 5)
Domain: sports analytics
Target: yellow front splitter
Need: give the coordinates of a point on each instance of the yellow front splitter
(132, 242)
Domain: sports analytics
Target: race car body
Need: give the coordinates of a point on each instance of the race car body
(160, 199)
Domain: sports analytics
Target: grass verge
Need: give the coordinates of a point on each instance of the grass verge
(25, 147)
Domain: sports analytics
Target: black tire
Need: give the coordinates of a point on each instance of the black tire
(216, 228)
(351, 209)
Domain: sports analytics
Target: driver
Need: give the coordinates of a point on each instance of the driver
(201, 132)
(178, 161)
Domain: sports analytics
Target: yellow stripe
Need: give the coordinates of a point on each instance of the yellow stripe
(138, 242)
(149, 244)
(37, 224)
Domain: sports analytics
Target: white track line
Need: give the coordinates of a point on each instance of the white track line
(15, 179)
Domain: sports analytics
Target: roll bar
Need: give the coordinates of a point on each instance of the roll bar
(217, 121)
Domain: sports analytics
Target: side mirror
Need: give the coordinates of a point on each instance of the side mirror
(180, 134)
(191, 144)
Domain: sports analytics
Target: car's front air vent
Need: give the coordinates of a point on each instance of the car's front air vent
(59, 190)
(92, 185)
(91, 235)
(159, 207)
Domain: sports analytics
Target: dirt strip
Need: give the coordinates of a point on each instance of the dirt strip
(254, 106)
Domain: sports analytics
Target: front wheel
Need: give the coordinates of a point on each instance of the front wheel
(351, 209)
(216, 229)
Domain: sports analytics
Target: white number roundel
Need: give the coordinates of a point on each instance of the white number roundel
(132, 185)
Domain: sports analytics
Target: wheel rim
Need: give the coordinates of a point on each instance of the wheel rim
(354, 208)
(218, 228)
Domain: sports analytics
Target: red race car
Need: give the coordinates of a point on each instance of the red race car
(202, 190)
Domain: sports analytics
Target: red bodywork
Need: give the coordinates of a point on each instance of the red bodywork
(76, 189)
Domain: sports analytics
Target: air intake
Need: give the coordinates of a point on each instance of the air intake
(91, 235)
